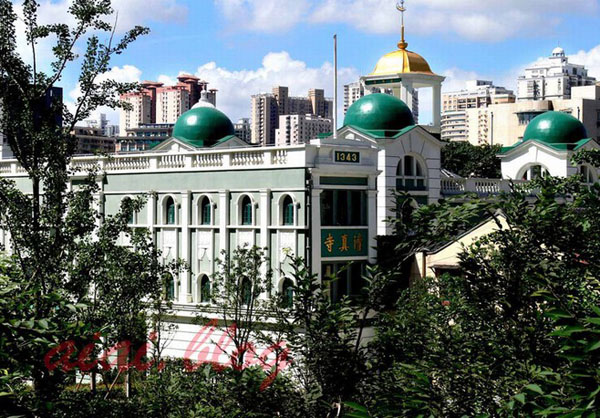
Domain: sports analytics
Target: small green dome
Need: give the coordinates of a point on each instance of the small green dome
(203, 126)
(379, 111)
(555, 128)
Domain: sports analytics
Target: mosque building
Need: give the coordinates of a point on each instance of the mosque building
(327, 201)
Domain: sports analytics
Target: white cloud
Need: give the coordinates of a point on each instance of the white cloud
(264, 15)
(477, 20)
(130, 13)
(278, 68)
(591, 59)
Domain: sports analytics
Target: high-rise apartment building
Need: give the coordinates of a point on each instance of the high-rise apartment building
(171, 102)
(300, 129)
(552, 78)
(157, 103)
(266, 109)
(243, 129)
(140, 112)
(505, 124)
(456, 125)
(352, 92)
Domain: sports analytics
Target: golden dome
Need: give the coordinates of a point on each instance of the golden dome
(402, 61)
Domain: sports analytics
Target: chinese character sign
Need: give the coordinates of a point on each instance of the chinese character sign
(344, 242)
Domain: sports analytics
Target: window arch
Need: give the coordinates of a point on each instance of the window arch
(287, 211)
(534, 171)
(246, 212)
(587, 174)
(204, 289)
(168, 287)
(411, 174)
(170, 211)
(287, 293)
(205, 217)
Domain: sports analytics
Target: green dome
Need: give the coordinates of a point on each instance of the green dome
(379, 111)
(203, 126)
(555, 128)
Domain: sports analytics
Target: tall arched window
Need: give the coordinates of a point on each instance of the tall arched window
(169, 287)
(246, 210)
(287, 293)
(205, 212)
(170, 211)
(205, 289)
(410, 174)
(587, 175)
(534, 172)
(246, 291)
(288, 211)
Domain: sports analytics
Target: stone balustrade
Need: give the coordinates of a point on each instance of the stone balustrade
(187, 161)
(480, 186)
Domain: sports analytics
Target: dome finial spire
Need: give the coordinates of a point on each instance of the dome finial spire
(400, 6)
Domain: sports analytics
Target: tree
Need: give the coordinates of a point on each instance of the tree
(75, 277)
(469, 160)
(514, 332)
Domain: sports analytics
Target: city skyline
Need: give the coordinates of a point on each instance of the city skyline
(241, 49)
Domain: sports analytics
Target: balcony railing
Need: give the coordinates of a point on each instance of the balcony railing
(272, 157)
(482, 187)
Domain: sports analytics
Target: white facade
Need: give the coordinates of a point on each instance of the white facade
(533, 159)
(457, 123)
(300, 129)
(552, 78)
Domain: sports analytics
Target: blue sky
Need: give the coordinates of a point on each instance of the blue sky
(245, 46)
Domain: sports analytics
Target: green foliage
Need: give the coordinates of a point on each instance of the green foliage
(68, 276)
(515, 332)
(469, 160)
(323, 337)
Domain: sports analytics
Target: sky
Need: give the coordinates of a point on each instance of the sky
(245, 47)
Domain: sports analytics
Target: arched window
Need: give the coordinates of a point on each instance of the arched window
(410, 174)
(205, 289)
(246, 210)
(288, 211)
(534, 172)
(205, 212)
(587, 175)
(170, 211)
(246, 291)
(287, 293)
(169, 287)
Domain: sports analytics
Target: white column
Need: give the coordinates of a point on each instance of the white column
(265, 220)
(437, 105)
(186, 291)
(265, 214)
(407, 94)
(316, 230)
(152, 215)
(223, 222)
